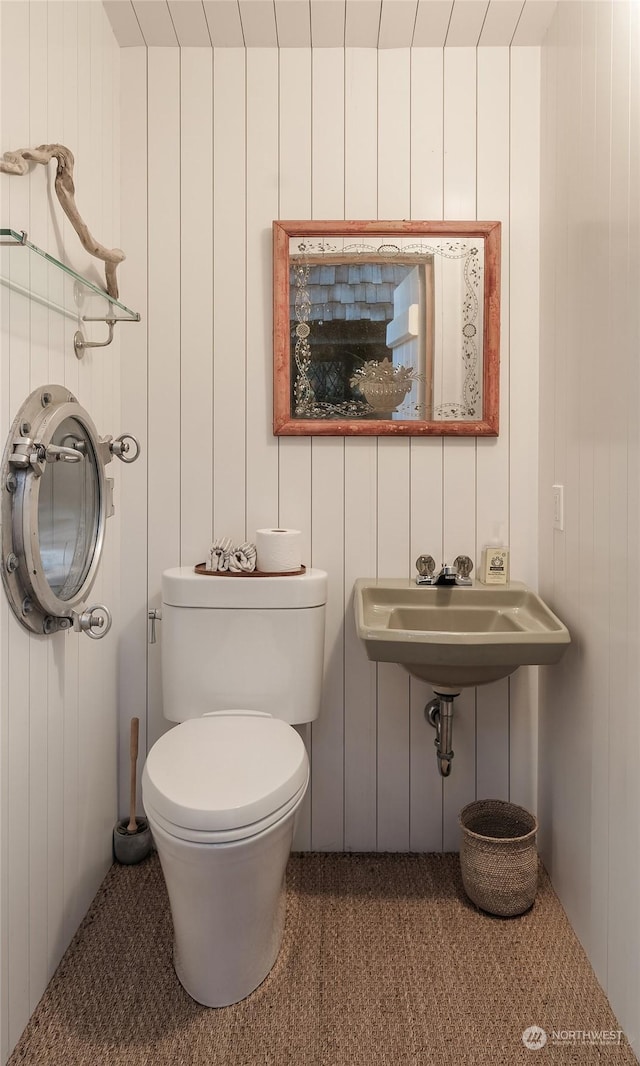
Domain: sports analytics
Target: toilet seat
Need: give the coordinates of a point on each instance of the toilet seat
(224, 777)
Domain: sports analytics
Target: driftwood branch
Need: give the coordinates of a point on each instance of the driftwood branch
(18, 163)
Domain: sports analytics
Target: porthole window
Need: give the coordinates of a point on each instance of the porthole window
(55, 503)
(69, 512)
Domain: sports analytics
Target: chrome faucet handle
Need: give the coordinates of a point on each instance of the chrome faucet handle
(425, 565)
(463, 566)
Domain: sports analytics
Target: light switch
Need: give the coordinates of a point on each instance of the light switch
(558, 507)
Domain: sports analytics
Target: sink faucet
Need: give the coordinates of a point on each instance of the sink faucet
(447, 576)
(455, 574)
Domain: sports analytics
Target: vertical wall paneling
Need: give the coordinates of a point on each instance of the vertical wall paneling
(59, 83)
(327, 485)
(295, 182)
(229, 279)
(133, 486)
(633, 628)
(70, 648)
(113, 384)
(294, 199)
(427, 131)
(460, 488)
(97, 727)
(15, 643)
(631, 924)
(356, 133)
(622, 772)
(360, 698)
(262, 208)
(426, 454)
(53, 734)
(523, 341)
(588, 786)
(87, 173)
(394, 201)
(38, 673)
(591, 584)
(5, 421)
(294, 140)
(164, 428)
(4, 776)
(492, 454)
(73, 77)
(107, 408)
(360, 484)
(83, 170)
(18, 902)
(196, 301)
(546, 533)
(327, 733)
(593, 928)
(37, 681)
(361, 133)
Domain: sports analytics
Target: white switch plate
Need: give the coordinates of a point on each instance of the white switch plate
(558, 507)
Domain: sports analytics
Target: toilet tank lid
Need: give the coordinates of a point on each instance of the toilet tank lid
(182, 587)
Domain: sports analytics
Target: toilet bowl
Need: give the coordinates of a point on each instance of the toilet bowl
(221, 790)
(221, 794)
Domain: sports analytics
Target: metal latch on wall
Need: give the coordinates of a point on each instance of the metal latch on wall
(95, 621)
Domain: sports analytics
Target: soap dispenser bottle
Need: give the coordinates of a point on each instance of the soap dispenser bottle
(495, 561)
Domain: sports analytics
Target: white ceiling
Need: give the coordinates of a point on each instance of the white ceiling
(329, 23)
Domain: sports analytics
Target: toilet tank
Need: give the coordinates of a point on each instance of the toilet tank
(250, 643)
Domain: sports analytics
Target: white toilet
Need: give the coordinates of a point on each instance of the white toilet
(242, 663)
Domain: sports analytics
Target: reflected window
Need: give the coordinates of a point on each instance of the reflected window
(68, 513)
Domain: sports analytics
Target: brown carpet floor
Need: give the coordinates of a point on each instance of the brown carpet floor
(384, 963)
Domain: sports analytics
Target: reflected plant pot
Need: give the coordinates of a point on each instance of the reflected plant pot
(384, 395)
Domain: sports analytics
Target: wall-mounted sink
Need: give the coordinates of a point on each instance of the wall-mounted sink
(457, 636)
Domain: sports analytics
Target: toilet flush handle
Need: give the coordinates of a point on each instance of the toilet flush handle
(155, 615)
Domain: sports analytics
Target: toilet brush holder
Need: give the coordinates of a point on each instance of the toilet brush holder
(132, 840)
(130, 848)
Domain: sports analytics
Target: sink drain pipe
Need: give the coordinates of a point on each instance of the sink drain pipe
(439, 714)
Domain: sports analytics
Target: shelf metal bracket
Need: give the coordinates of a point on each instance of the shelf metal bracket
(79, 342)
(23, 240)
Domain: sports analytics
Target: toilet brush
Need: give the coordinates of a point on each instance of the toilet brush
(132, 838)
(133, 758)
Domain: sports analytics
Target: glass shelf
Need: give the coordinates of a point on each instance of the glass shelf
(38, 276)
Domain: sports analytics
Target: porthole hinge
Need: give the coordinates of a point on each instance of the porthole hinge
(25, 455)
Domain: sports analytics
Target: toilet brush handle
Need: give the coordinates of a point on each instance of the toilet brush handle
(135, 728)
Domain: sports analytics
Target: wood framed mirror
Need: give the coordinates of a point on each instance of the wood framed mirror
(386, 328)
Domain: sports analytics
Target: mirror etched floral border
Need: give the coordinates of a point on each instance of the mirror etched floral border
(386, 328)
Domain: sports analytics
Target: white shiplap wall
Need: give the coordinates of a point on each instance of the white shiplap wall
(590, 339)
(229, 140)
(59, 69)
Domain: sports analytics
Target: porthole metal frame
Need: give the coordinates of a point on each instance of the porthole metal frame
(27, 451)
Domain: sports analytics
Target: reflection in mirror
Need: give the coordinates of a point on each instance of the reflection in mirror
(386, 327)
(68, 512)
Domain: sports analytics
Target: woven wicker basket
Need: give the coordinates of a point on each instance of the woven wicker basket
(498, 856)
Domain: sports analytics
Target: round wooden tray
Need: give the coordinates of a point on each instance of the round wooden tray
(201, 568)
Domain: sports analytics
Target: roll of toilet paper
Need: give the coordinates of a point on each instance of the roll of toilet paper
(278, 550)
